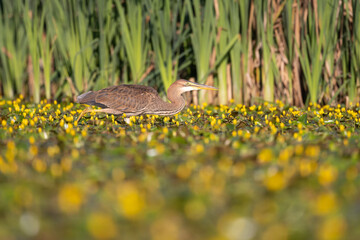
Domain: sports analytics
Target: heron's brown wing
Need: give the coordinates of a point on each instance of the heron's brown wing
(126, 98)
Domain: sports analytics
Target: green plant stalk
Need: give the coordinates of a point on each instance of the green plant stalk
(314, 54)
(327, 12)
(84, 51)
(355, 63)
(265, 33)
(236, 25)
(346, 56)
(4, 45)
(46, 55)
(46, 51)
(312, 66)
(202, 38)
(103, 58)
(267, 74)
(222, 38)
(246, 38)
(222, 56)
(33, 34)
(56, 18)
(107, 31)
(233, 27)
(132, 26)
(289, 35)
(162, 37)
(74, 43)
(13, 48)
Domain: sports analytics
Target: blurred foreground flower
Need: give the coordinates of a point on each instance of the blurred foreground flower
(70, 198)
(275, 181)
(332, 229)
(327, 174)
(266, 155)
(131, 200)
(325, 203)
(101, 226)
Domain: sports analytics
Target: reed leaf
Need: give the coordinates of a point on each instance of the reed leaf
(265, 25)
(221, 41)
(202, 22)
(355, 53)
(13, 49)
(167, 37)
(134, 35)
(33, 34)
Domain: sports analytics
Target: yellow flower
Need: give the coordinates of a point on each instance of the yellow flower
(160, 148)
(10, 151)
(131, 200)
(198, 148)
(75, 153)
(101, 226)
(306, 167)
(275, 182)
(83, 133)
(53, 150)
(183, 171)
(312, 151)
(327, 174)
(342, 128)
(56, 170)
(285, 155)
(142, 137)
(31, 140)
(325, 203)
(33, 150)
(70, 198)
(66, 164)
(265, 155)
(299, 149)
(332, 228)
(165, 130)
(39, 165)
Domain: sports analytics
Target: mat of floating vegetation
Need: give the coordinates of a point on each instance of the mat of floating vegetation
(266, 171)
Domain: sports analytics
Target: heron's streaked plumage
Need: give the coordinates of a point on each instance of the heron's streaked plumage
(137, 99)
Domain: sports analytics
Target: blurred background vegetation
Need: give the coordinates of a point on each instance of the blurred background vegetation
(253, 50)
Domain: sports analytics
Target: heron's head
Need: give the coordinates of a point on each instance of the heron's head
(182, 86)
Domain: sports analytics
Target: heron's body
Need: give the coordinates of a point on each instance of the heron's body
(137, 99)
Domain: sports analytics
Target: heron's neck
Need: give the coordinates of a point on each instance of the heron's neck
(176, 104)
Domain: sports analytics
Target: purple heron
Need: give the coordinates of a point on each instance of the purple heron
(137, 99)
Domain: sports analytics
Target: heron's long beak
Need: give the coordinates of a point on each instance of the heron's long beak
(198, 86)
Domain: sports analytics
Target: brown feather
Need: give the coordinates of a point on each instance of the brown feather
(123, 98)
(137, 99)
